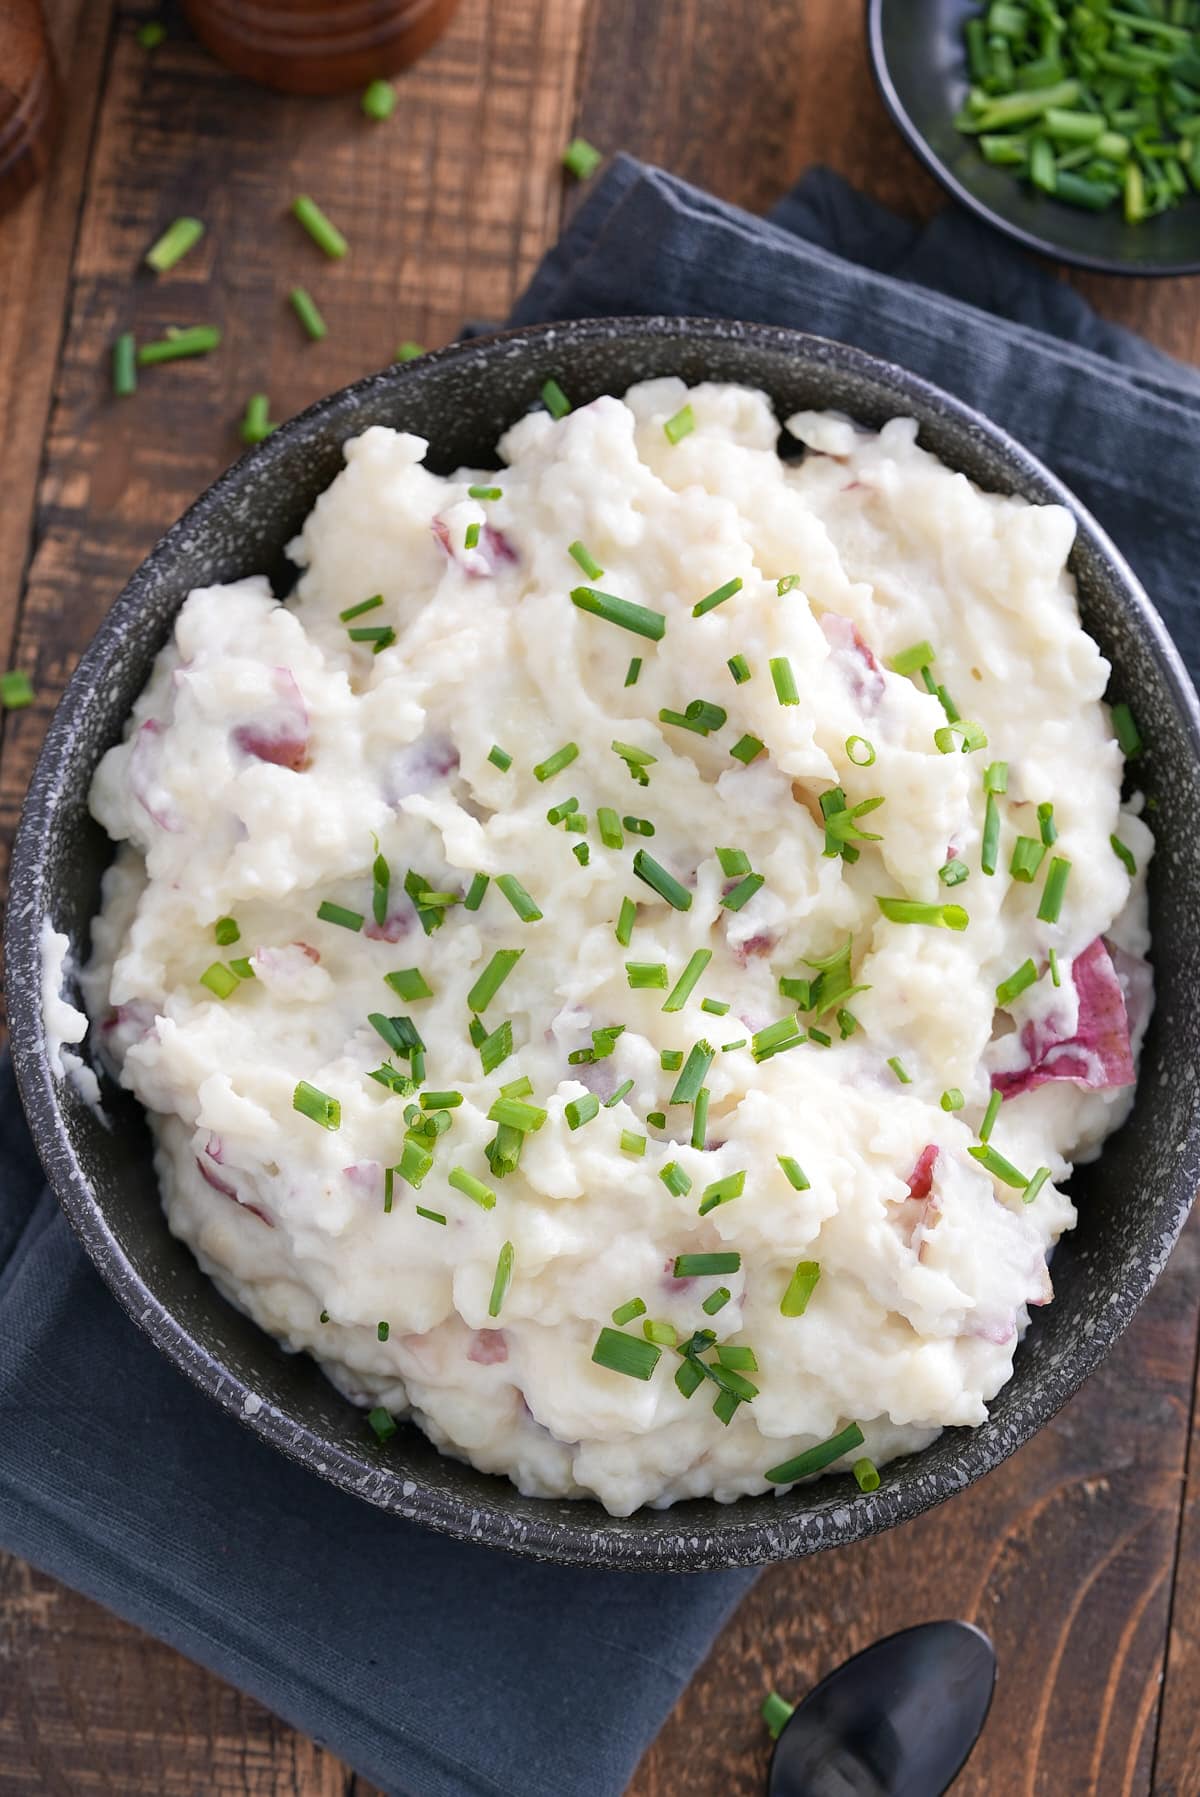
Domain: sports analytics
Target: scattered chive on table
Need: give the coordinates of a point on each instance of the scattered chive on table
(1081, 1556)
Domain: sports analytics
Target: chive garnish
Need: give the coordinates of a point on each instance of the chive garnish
(995, 777)
(636, 761)
(657, 1119)
(581, 1110)
(632, 1143)
(898, 1068)
(1055, 976)
(626, 919)
(705, 713)
(638, 826)
(643, 975)
(739, 667)
(692, 1074)
(521, 902)
(1027, 856)
(475, 891)
(554, 764)
(681, 425)
(124, 365)
(471, 535)
(499, 758)
(996, 1164)
(716, 1007)
(911, 661)
(671, 1060)
(700, 1266)
(1046, 823)
(305, 308)
(393, 1079)
(953, 1099)
(1035, 1184)
(495, 1048)
(517, 1114)
(860, 751)
(677, 1182)
(688, 980)
(990, 846)
(559, 813)
(776, 1038)
(799, 990)
(311, 1102)
(953, 872)
(700, 1118)
(364, 605)
(737, 1357)
(747, 749)
(866, 1474)
(441, 1101)
(727, 1046)
(500, 1284)
(408, 351)
(627, 1354)
(949, 917)
(554, 399)
(717, 597)
(820, 1037)
(970, 737)
(226, 931)
(382, 636)
(219, 979)
(633, 670)
(581, 853)
(1127, 732)
(659, 880)
(733, 862)
(793, 1172)
(1124, 855)
(1016, 983)
(325, 235)
(1054, 889)
(665, 1334)
(745, 890)
(581, 159)
(409, 983)
(776, 1712)
(196, 340)
(492, 978)
(681, 721)
(587, 563)
(485, 493)
(722, 1191)
(378, 100)
(714, 1302)
(625, 1313)
(382, 1330)
(800, 1288)
(814, 1460)
(382, 1422)
(784, 680)
(174, 244)
(622, 1091)
(431, 1216)
(995, 1100)
(609, 825)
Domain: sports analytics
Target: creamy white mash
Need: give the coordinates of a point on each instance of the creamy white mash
(875, 1273)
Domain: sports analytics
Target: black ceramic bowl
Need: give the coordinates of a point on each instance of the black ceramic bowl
(1132, 1203)
(920, 64)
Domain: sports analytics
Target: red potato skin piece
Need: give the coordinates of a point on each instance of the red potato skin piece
(1099, 1056)
(281, 739)
(855, 659)
(489, 1347)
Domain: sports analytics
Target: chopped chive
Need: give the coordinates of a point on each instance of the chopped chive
(706, 714)
(226, 931)
(659, 880)
(1123, 853)
(1054, 889)
(581, 159)
(382, 1421)
(520, 1087)
(638, 826)
(197, 340)
(382, 1330)
(633, 670)
(722, 1191)
(393, 1079)
(381, 879)
(866, 1474)
(504, 1151)
(364, 605)
(671, 1060)
(776, 1038)
(586, 562)
(622, 1091)
(241, 966)
(726, 1047)
(699, 1266)
(581, 1110)
(776, 1713)
(692, 1074)
(860, 751)
(554, 764)
(911, 661)
(517, 1114)
(219, 980)
(495, 1048)
(521, 902)
(814, 1460)
(743, 892)
(625, 1313)
(632, 1143)
(677, 1182)
(700, 1118)
(820, 1037)
(431, 1216)
(1016, 983)
(477, 1031)
(492, 978)
(1035, 1184)
(559, 813)
(643, 975)
(784, 680)
(471, 535)
(626, 919)
(1055, 976)
(972, 737)
(737, 1358)
(625, 612)
(1127, 732)
(739, 667)
(325, 235)
(995, 777)
(409, 983)
(174, 244)
(952, 1099)
(477, 492)
(717, 597)
(1027, 856)
(379, 100)
(996, 1164)
(681, 425)
(681, 721)
(627, 1354)
(799, 990)
(953, 872)
(800, 1288)
(793, 1172)
(733, 862)
(305, 308)
(581, 853)
(636, 761)
(898, 1068)
(124, 365)
(554, 399)
(609, 825)
(747, 749)
(381, 635)
(716, 1007)
(1046, 824)
(995, 1100)
(408, 351)
(328, 912)
(656, 1119)
(311, 1102)
(475, 891)
(471, 1188)
(716, 1300)
(500, 1284)
(847, 1023)
(689, 1377)
(950, 917)
(990, 846)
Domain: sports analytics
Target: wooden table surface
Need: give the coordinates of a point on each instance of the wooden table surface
(1081, 1556)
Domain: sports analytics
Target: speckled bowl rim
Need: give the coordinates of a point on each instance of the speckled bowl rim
(731, 1540)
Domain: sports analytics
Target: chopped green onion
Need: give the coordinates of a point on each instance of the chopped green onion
(1124, 855)
(364, 605)
(633, 670)
(609, 825)
(953, 872)
(995, 1100)
(1046, 824)
(952, 1099)
(495, 1048)
(1016, 983)
(973, 737)
(898, 1068)
(693, 1073)
(311, 1102)
(814, 1460)
(1027, 856)
(174, 244)
(381, 1421)
(776, 1713)
(726, 1047)
(581, 159)
(521, 902)
(471, 535)
(739, 667)
(689, 1377)
(472, 1188)
(1055, 976)
(431, 1216)
(722, 1191)
(866, 1475)
(784, 680)
(566, 808)
(717, 597)
(393, 1079)
(492, 978)
(632, 1143)
(625, 612)
(627, 1354)
(643, 975)
(581, 853)
(588, 563)
(716, 1300)
(800, 1288)
(776, 1038)
(793, 1172)
(996, 1164)
(626, 918)
(554, 764)
(305, 308)
(500, 1284)
(638, 826)
(1128, 734)
(124, 365)
(743, 892)
(657, 1119)
(700, 1118)
(381, 635)
(995, 777)
(555, 400)
(860, 751)
(1054, 889)
(477, 492)
(820, 1037)
(625, 1313)
(747, 749)
(581, 1110)
(197, 340)
(328, 912)
(737, 1358)
(699, 1266)
(990, 847)
(382, 1330)
(680, 426)
(517, 1114)
(659, 880)
(219, 980)
(716, 1007)
(1035, 1184)
(621, 1092)
(677, 1182)
(733, 862)
(786, 583)
(671, 1059)
(686, 984)
(226, 931)
(636, 761)
(409, 983)
(949, 917)
(475, 891)
(379, 100)
(409, 351)
(799, 990)
(325, 235)
(911, 661)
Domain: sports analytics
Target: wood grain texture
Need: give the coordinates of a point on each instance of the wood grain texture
(1067, 1554)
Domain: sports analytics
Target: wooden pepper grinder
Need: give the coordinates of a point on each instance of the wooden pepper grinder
(317, 46)
(28, 98)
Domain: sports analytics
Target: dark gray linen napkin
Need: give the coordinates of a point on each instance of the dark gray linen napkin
(437, 1669)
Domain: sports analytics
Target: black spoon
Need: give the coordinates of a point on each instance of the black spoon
(898, 1720)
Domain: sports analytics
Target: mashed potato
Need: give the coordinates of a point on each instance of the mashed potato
(478, 953)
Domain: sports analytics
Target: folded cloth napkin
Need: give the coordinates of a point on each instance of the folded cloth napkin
(438, 1669)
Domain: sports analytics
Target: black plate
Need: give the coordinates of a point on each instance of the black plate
(920, 65)
(1133, 1202)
